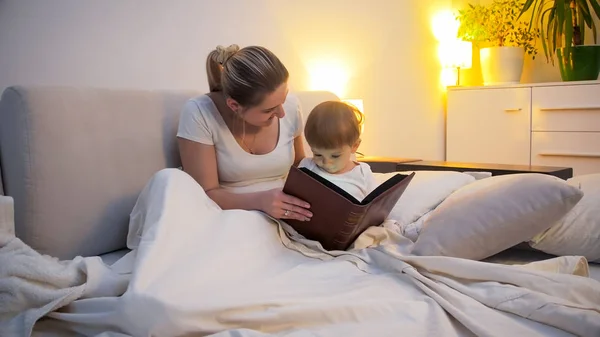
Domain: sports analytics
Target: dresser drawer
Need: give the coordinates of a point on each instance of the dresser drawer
(489, 126)
(566, 108)
(579, 150)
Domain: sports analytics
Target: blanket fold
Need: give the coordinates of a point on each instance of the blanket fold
(7, 216)
(33, 285)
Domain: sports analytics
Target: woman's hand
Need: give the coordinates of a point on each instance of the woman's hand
(284, 206)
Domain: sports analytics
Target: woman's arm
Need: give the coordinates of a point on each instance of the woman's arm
(200, 162)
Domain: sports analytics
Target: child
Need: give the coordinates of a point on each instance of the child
(332, 131)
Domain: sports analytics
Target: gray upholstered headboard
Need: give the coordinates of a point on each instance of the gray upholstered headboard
(75, 160)
(1, 185)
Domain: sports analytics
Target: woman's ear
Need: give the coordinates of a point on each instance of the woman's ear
(233, 105)
(356, 145)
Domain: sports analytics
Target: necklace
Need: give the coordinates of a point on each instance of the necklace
(250, 148)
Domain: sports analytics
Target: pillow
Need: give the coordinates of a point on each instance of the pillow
(426, 191)
(578, 232)
(412, 230)
(494, 214)
(478, 175)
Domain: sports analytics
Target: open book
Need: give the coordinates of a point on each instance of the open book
(338, 218)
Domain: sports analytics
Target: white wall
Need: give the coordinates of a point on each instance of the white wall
(386, 46)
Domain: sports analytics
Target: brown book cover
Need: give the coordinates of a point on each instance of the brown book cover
(338, 218)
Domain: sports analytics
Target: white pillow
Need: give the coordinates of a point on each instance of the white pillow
(412, 230)
(578, 232)
(426, 191)
(494, 214)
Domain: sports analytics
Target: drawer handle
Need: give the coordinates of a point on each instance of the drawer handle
(512, 109)
(579, 108)
(570, 154)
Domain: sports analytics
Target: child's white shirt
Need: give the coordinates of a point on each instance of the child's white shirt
(358, 182)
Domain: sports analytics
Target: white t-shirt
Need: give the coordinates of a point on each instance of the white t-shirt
(238, 170)
(358, 182)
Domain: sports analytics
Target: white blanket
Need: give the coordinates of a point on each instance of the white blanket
(198, 270)
(31, 284)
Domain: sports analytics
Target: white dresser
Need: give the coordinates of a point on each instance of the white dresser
(551, 124)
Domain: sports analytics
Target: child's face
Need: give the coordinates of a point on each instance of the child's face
(333, 160)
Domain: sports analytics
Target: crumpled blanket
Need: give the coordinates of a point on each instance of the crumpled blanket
(542, 291)
(33, 285)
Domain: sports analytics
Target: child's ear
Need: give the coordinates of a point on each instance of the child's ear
(356, 145)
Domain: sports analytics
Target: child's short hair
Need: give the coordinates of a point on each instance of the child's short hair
(333, 124)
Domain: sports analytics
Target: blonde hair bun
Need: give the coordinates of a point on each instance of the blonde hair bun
(224, 53)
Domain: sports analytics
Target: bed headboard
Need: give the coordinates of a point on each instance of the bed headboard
(74, 159)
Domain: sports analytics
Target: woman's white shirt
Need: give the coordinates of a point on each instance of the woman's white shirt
(238, 170)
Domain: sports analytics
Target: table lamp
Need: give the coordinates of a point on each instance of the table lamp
(456, 54)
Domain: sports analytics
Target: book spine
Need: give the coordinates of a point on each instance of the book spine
(349, 227)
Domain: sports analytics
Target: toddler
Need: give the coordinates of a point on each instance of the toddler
(332, 131)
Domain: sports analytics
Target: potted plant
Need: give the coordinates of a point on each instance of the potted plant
(501, 38)
(563, 26)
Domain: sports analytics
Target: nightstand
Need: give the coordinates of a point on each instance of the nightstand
(385, 164)
(496, 169)
(554, 124)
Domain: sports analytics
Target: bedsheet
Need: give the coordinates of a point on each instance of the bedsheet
(519, 256)
(195, 269)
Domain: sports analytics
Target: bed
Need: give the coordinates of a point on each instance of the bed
(113, 240)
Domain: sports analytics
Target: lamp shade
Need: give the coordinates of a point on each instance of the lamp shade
(456, 54)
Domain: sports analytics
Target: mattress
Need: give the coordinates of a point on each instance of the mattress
(522, 256)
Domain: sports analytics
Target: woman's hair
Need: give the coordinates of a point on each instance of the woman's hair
(333, 124)
(246, 75)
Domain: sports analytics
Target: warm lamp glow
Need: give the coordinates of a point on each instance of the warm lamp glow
(358, 103)
(455, 54)
(445, 25)
(328, 75)
(448, 77)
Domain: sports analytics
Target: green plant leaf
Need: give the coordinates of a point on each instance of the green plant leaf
(560, 16)
(556, 22)
(554, 35)
(543, 35)
(581, 27)
(540, 9)
(596, 6)
(568, 33)
(584, 11)
(594, 32)
(526, 6)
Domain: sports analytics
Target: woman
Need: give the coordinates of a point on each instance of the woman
(239, 141)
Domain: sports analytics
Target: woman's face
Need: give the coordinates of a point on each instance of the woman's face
(264, 113)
